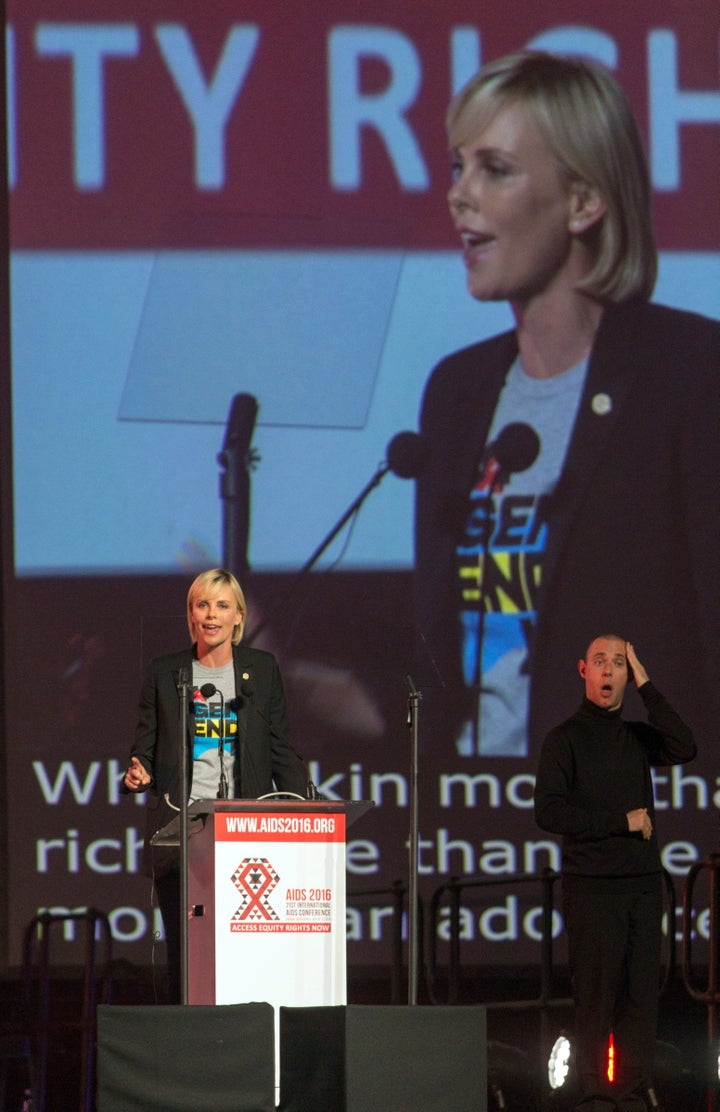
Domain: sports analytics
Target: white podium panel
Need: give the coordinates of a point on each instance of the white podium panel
(266, 904)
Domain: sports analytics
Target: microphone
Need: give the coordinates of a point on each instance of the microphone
(236, 460)
(514, 449)
(407, 455)
(207, 691)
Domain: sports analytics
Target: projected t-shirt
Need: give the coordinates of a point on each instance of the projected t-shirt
(216, 724)
(500, 555)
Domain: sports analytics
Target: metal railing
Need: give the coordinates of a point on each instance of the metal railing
(37, 1021)
(709, 994)
(398, 892)
(451, 893)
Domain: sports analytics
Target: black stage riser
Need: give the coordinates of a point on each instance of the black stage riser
(404, 1059)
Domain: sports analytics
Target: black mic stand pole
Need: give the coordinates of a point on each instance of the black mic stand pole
(413, 923)
(352, 509)
(183, 694)
(223, 785)
(312, 560)
(237, 460)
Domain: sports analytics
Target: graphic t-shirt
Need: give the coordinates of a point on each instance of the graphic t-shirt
(500, 556)
(216, 731)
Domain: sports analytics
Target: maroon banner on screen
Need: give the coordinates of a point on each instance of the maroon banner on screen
(124, 117)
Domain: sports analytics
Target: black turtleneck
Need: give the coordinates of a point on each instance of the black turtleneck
(593, 769)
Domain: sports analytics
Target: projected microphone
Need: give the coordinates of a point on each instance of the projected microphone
(237, 460)
(407, 455)
(207, 691)
(514, 449)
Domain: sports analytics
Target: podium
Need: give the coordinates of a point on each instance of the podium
(266, 901)
(266, 941)
(266, 930)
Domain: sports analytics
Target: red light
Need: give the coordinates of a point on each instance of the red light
(611, 1059)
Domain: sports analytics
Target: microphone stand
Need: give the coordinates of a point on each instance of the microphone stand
(223, 785)
(313, 559)
(413, 722)
(515, 449)
(479, 671)
(237, 460)
(496, 483)
(183, 693)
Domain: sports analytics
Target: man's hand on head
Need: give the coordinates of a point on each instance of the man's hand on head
(635, 668)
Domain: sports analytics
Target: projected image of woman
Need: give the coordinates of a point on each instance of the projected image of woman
(574, 466)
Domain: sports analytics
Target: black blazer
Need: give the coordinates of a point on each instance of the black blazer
(267, 759)
(634, 523)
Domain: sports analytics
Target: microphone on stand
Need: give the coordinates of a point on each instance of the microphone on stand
(406, 456)
(515, 449)
(236, 460)
(207, 691)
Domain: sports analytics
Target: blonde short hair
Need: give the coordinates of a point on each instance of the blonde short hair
(207, 585)
(586, 120)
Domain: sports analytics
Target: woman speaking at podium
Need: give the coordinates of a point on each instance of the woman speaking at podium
(237, 733)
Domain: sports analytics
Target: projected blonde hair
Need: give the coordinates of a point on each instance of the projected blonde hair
(586, 120)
